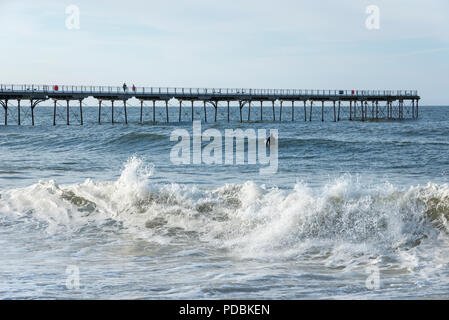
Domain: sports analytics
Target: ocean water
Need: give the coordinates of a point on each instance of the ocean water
(356, 210)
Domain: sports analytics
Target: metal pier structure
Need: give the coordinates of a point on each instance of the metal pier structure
(358, 105)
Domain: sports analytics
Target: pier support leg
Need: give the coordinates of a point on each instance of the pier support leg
(193, 111)
(154, 111)
(205, 111)
(112, 112)
(216, 111)
(141, 111)
(274, 114)
(99, 111)
(54, 112)
(305, 110)
(126, 115)
(402, 110)
(363, 105)
(377, 110)
(366, 110)
(339, 106)
(390, 107)
(293, 110)
(18, 112)
(350, 110)
(240, 107)
(355, 110)
(311, 107)
(180, 110)
(280, 111)
(413, 109)
(68, 111)
(391, 110)
(228, 111)
(335, 113)
(322, 110)
(166, 111)
(249, 111)
(5, 106)
(32, 112)
(372, 109)
(81, 112)
(417, 107)
(403, 117)
(362, 110)
(261, 110)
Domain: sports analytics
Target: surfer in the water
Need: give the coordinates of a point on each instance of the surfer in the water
(269, 140)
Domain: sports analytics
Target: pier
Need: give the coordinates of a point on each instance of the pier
(305, 105)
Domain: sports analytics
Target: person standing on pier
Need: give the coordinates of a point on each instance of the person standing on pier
(125, 87)
(134, 88)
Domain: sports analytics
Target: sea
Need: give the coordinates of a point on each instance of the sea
(354, 210)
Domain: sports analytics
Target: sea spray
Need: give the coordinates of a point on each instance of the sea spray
(251, 219)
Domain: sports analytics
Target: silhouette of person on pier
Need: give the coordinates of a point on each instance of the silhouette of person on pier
(125, 87)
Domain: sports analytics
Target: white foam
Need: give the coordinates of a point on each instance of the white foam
(345, 218)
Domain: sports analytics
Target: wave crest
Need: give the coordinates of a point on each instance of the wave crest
(248, 218)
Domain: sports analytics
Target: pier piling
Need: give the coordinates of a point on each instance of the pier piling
(5, 107)
(112, 111)
(166, 111)
(99, 111)
(126, 115)
(141, 111)
(18, 112)
(280, 112)
(68, 111)
(54, 112)
(399, 105)
(311, 106)
(339, 106)
(81, 112)
(305, 110)
(154, 111)
(322, 110)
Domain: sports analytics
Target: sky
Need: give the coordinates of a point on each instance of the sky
(239, 44)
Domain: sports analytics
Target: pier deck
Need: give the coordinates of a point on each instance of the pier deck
(363, 104)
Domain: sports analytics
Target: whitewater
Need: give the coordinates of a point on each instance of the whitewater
(349, 198)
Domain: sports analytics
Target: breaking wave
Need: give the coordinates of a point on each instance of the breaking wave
(248, 219)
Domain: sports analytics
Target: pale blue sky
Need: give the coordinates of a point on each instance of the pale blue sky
(199, 43)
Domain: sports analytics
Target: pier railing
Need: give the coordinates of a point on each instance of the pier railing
(73, 89)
